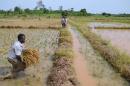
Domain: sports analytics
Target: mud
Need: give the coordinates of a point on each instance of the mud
(82, 72)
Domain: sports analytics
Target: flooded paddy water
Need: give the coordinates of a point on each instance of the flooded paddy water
(119, 38)
(100, 71)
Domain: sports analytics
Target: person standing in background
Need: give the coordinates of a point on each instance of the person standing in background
(64, 22)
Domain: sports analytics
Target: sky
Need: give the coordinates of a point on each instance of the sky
(92, 6)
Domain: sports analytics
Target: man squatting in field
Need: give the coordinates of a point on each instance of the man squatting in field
(15, 56)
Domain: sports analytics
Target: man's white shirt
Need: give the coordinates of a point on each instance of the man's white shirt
(16, 49)
(64, 20)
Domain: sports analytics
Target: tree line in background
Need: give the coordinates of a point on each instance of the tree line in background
(43, 11)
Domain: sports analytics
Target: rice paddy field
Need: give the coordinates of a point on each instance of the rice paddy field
(45, 40)
(119, 38)
(79, 55)
(103, 47)
(115, 33)
(30, 23)
(99, 69)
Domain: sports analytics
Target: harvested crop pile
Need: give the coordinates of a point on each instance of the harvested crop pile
(65, 39)
(126, 72)
(65, 64)
(64, 53)
(30, 56)
(62, 73)
(62, 62)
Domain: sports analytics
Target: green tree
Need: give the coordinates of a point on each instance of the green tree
(27, 10)
(83, 12)
(18, 10)
(64, 13)
(106, 14)
(72, 9)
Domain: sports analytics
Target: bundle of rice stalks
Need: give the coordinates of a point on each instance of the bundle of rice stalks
(65, 45)
(62, 62)
(125, 72)
(66, 53)
(64, 32)
(61, 73)
(57, 77)
(30, 56)
(65, 39)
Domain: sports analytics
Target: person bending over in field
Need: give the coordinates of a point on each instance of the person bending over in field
(15, 56)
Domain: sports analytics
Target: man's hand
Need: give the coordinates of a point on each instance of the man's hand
(18, 58)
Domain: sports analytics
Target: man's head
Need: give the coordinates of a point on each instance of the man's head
(21, 38)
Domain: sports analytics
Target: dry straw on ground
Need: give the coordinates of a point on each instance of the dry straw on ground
(30, 56)
(30, 23)
(62, 72)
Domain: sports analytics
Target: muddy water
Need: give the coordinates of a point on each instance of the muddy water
(119, 38)
(96, 66)
(102, 24)
(80, 64)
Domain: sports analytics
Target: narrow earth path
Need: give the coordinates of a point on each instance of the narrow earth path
(83, 75)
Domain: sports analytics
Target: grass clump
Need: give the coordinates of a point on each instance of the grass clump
(66, 53)
(65, 39)
(64, 32)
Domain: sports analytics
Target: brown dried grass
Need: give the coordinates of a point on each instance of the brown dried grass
(30, 57)
(62, 71)
(31, 23)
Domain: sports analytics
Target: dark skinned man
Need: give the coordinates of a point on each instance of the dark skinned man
(15, 56)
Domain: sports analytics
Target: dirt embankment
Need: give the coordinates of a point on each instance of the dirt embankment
(62, 72)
